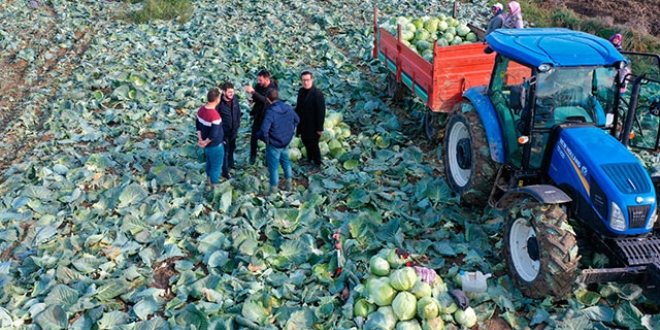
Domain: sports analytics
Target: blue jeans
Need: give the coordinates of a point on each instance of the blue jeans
(214, 158)
(276, 157)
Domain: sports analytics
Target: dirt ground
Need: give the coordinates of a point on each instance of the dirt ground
(641, 15)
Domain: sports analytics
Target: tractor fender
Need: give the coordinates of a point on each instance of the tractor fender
(542, 193)
(478, 96)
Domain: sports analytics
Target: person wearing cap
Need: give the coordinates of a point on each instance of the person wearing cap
(498, 18)
(616, 41)
(513, 19)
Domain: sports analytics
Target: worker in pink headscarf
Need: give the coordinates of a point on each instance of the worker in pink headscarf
(616, 41)
(514, 18)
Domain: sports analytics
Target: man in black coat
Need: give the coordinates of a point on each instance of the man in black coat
(310, 107)
(264, 83)
(230, 112)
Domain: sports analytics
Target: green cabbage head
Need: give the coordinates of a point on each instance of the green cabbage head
(421, 289)
(404, 306)
(466, 317)
(378, 321)
(435, 323)
(379, 266)
(382, 294)
(408, 325)
(403, 279)
(427, 308)
(363, 308)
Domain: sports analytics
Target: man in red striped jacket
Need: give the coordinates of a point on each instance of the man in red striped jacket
(211, 136)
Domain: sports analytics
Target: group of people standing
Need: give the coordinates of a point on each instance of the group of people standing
(273, 121)
(512, 20)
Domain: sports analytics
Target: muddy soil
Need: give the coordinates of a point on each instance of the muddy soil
(641, 15)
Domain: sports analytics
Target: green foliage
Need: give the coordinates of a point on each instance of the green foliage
(181, 10)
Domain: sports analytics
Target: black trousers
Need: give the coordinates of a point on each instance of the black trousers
(254, 142)
(312, 148)
(228, 162)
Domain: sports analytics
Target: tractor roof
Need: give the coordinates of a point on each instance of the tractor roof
(554, 46)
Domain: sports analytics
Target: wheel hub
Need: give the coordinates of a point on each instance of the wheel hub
(464, 154)
(524, 250)
(533, 248)
(459, 155)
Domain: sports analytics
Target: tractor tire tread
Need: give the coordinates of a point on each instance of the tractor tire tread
(558, 264)
(485, 168)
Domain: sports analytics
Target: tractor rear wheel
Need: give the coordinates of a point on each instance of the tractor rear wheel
(469, 168)
(433, 123)
(541, 250)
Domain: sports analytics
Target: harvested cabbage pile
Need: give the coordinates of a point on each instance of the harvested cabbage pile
(398, 296)
(333, 143)
(420, 33)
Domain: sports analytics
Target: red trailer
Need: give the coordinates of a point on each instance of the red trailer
(439, 84)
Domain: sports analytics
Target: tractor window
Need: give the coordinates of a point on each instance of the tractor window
(508, 96)
(646, 124)
(579, 94)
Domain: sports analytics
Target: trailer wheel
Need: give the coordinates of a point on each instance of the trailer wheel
(541, 251)
(469, 168)
(433, 123)
(394, 89)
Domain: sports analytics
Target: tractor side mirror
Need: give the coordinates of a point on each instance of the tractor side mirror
(654, 108)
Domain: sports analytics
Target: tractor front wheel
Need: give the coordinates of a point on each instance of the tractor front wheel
(469, 168)
(541, 250)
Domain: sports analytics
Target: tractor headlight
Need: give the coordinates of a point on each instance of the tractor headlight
(617, 220)
(654, 218)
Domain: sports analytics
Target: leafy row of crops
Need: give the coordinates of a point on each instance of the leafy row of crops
(106, 223)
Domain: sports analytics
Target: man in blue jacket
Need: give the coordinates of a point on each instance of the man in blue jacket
(230, 111)
(277, 131)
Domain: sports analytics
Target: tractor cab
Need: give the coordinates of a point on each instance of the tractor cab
(536, 86)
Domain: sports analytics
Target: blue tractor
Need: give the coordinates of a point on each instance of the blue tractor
(547, 141)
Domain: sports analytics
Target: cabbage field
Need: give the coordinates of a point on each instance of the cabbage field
(106, 222)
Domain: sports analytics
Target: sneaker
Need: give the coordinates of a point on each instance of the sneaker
(272, 190)
(288, 185)
(303, 162)
(226, 176)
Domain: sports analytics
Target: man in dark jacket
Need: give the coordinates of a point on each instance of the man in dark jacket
(264, 83)
(230, 111)
(310, 108)
(277, 131)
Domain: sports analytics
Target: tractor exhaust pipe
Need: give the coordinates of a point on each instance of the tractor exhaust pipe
(632, 111)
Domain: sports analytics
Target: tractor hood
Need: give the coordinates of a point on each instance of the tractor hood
(607, 176)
